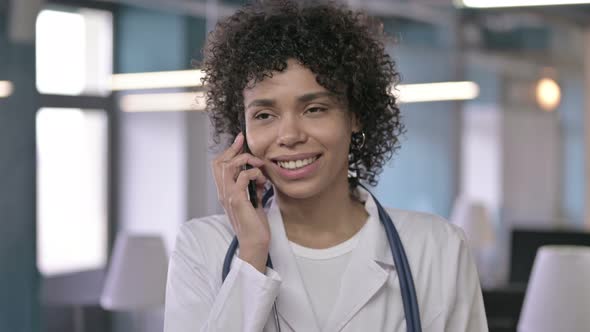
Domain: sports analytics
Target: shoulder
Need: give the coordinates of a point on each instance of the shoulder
(214, 228)
(423, 226)
(439, 257)
(203, 242)
(429, 237)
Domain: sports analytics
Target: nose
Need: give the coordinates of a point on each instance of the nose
(290, 131)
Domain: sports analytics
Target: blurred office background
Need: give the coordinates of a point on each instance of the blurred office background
(99, 168)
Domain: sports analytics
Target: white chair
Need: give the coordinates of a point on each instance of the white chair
(136, 279)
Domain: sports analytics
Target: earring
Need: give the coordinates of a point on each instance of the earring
(363, 140)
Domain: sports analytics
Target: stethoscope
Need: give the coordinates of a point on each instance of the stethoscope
(406, 282)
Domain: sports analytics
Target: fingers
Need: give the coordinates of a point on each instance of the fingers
(225, 156)
(233, 149)
(228, 164)
(249, 224)
(239, 193)
(245, 158)
(230, 169)
(246, 176)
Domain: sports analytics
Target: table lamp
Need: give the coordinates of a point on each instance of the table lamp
(475, 220)
(558, 293)
(136, 279)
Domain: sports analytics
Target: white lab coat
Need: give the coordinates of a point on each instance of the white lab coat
(445, 277)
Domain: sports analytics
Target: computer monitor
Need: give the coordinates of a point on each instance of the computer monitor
(526, 242)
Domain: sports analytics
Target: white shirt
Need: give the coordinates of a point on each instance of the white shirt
(321, 271)
(445, 277)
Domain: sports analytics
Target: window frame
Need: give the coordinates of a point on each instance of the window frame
(58, 289)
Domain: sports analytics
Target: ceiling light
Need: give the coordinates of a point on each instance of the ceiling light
(517, 3)
(441, 91)
(6, 89)
(195, 101)
(163, 102)
(548, 94)
(157, 80)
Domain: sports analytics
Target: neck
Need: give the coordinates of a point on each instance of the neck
(324, 220)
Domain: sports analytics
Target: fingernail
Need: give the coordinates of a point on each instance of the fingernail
(237, 137)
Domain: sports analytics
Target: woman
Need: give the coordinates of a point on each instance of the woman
(311, 86)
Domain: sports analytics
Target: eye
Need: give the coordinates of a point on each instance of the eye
(262, 116)
(314, 110)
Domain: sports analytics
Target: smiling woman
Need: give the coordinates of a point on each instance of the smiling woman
(302, 131)
(305, 91)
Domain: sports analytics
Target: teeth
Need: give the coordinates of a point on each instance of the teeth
(294, 164)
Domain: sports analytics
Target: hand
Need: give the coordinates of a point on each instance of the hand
(249, 224)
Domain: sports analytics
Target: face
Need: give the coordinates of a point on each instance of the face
(300, 130)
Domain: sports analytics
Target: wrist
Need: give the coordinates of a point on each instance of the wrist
(255, 257)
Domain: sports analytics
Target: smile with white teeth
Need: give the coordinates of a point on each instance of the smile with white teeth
(295, 164)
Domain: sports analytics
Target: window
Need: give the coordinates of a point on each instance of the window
(74, 68)
(74, 52)
(71, 190)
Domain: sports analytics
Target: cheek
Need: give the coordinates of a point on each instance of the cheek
(259, 141)
(334, 134)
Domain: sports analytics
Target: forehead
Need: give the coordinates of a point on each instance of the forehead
(294, 80)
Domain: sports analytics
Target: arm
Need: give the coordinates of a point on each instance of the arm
(194, 301)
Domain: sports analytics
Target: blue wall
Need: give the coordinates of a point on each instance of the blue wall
(571, 113)
(146, 41)
(150, 41)
(422, 176)
(19, 280)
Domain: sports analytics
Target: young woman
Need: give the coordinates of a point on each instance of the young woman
(311, 85)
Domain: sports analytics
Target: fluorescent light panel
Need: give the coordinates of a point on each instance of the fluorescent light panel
(163, 102)
(6, 89)
(191, 101)
(519, 3)
(187, 101)
(156, 80)
(426, 92)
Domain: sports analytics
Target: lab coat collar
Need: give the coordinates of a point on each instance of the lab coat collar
(368, 270)
(379, 249)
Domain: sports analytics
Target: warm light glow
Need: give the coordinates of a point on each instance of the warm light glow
(548, 94)
(6, 89)
(157, 80)
(163, 102)
(518, 3)
(414, 93)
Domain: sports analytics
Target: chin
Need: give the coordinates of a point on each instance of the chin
(298, 190)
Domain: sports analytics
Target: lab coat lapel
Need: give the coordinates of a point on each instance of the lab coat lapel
(293, 303)
(369, 269)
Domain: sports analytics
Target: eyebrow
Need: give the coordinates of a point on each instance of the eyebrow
(301, 99)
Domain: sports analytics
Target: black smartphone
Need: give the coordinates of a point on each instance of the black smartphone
(252, 183)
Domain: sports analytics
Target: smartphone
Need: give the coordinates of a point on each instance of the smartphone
(252, 184)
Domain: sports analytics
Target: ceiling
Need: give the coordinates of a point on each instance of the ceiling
(428, 11)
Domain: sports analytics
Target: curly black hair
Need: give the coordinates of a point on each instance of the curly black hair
(343, 48)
